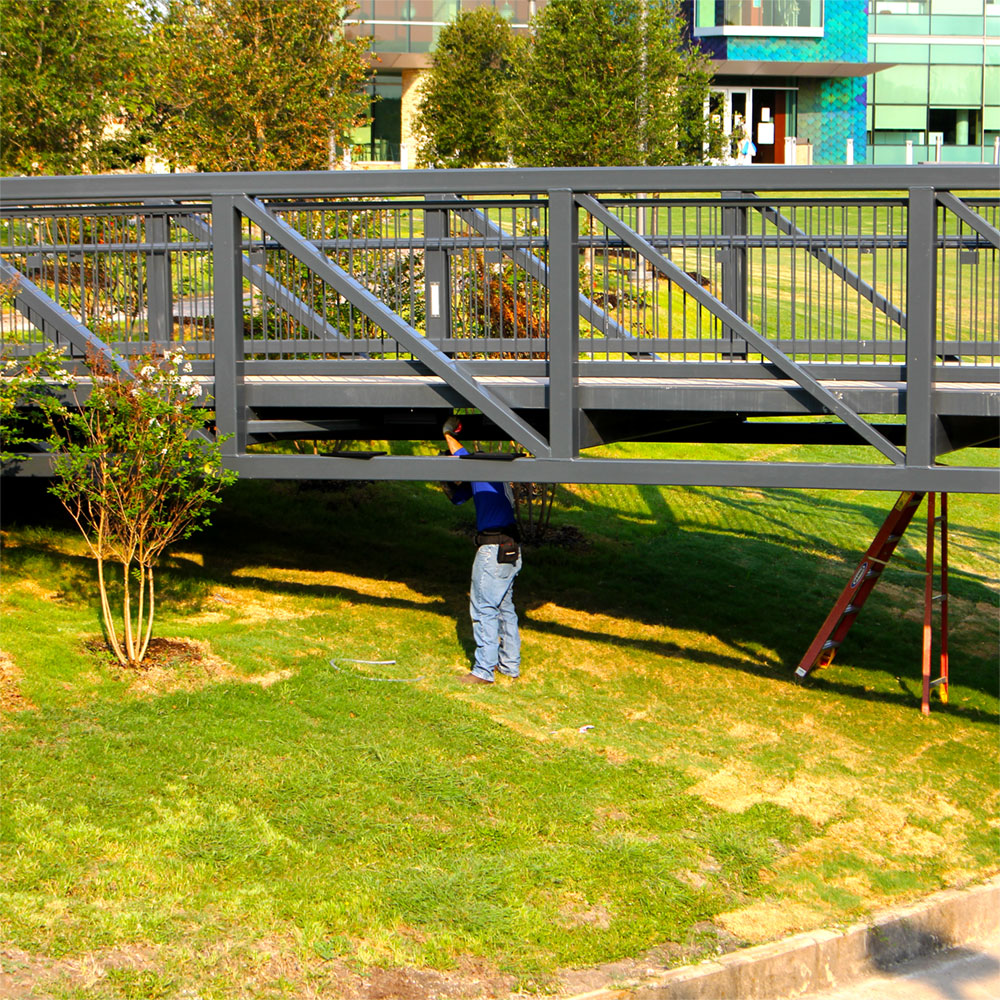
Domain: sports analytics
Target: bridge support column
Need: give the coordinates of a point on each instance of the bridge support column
(437, 275)
(734, 271)
(159, 298)
(921, 325)
(230, 404)
(564, 323)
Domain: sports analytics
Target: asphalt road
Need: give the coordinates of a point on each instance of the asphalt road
(971, 972)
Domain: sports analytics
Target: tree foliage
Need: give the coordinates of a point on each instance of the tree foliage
(461, 112)
(256, 84)
(610, 83)
(131, 467)
(68, 71)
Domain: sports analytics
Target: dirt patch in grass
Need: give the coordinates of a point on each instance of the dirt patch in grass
(181, 665)
(240, 607)
(23, 975)
(768, 920)
(262, 968)
(34, 589)
(11, 699)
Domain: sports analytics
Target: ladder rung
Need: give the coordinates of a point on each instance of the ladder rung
(877, 560)
(851, 609)
(939, 680)
(940, 597)
(830, 644)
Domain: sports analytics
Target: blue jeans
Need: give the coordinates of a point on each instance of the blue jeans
(494, 620)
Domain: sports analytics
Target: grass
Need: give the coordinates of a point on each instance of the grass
(247, 819)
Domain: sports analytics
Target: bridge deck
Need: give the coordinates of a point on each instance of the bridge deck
(718, 395)
(560, 309)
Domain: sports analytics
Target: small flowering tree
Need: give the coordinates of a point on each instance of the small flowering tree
(134, 470)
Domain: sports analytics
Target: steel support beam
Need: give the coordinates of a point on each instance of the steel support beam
(536, 268)
(53, 321)
(781, 361)
(437, 275)
(282, 297)
(230, 392)
(159, 291)
(827, 259)
(564, 324)
(409, 338)
(921, 308)
(652, 472)
(117, 188)
(735, 273)
(975, 222)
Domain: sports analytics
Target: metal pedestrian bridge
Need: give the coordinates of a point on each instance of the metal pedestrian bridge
(560, 310)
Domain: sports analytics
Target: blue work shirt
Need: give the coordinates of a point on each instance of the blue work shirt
(494, 502)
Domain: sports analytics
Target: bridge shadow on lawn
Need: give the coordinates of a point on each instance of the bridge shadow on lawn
(752, 591)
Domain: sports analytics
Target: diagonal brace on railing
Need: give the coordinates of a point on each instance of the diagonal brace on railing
(396, 327)
(975, 222)
(741, 328)
(48, 316)
(536, 268)
(282, 297)
(837, 266)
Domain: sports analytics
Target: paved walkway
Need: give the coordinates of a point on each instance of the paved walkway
(971, 972)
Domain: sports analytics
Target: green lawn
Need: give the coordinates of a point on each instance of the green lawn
(245, 819)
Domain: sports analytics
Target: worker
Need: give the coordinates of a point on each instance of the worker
(497, 563)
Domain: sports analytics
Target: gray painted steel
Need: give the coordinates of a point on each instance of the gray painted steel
(315, 319)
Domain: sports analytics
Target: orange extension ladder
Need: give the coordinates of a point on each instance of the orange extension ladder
(845, 611)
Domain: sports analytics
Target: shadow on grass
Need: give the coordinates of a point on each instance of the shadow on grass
(750, 590)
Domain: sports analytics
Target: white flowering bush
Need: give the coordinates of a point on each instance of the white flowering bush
(133, 469)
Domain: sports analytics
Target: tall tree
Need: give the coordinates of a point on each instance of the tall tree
(460, 116)
(68, 70)
(257, 84)
(610, 82)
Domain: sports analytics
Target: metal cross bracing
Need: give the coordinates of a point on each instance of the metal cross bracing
(560, 309)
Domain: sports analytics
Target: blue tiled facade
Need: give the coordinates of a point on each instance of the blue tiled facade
(829, 109)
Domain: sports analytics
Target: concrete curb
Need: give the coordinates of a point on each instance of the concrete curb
(822, 960)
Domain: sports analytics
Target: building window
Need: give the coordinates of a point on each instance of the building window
(956, 126)
(790, 18)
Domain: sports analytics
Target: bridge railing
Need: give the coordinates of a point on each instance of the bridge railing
(820, 273)
(868, 276)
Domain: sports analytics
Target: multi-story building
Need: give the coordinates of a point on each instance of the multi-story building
(784, 69)
(789, 69)
(403, 34)
(942, 95)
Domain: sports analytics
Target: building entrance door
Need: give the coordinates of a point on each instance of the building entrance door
(732, 107)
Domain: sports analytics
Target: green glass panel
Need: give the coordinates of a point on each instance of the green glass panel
(993, 55)
(901, 116)
(903, 24)
(902, 53)
(974, 7)
(992, 84)
(956, 86)
(951, 24)
(991, 119)
(889, 154)
(970, 54)
(901, 85)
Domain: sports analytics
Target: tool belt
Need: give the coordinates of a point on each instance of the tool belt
(507, 540)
